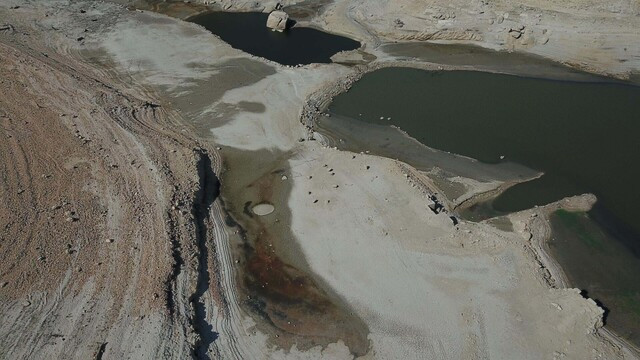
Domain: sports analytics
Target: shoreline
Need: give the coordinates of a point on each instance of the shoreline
(318, 103)
(385, 232)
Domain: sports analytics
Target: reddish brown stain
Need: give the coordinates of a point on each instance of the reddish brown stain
(291, 303)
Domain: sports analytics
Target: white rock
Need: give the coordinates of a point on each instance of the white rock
(277, 20)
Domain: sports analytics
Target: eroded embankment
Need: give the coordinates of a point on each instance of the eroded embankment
(208, 192)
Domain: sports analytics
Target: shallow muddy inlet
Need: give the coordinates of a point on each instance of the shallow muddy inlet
(583, 136)
(278, 288)
(295, 46)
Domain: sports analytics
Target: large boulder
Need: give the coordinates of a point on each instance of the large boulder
(277, 20)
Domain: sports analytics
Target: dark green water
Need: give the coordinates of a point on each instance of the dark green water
(298, 45)
(596, 261)
(583, 136)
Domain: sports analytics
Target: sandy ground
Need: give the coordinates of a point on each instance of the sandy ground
(115, 243)
(594, 36)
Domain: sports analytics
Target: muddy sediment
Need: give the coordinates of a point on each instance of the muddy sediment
(291, 304)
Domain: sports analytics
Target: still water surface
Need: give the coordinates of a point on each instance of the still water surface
(297, 45)
(583, 135)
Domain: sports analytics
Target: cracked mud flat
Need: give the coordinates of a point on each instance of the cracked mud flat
(115, 242)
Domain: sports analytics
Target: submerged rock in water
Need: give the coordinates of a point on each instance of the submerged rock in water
(277, 20)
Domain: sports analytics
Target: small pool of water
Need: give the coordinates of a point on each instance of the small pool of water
(296, 46)
(582, 135)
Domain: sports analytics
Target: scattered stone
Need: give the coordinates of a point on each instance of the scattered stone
(26, 303)
(109, 241)
(368, 167)
(284, 177)
(20, 191)
(315, 201)
(4, 284)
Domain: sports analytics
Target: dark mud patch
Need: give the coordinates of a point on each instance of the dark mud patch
(195, 101)
(279, 289)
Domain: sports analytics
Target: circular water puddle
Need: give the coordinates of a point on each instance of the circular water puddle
(263, 209)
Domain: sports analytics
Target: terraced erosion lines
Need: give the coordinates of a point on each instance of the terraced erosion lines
(229, 317)
(104, 172)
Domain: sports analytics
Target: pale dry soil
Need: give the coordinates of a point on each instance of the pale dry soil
(125, 130)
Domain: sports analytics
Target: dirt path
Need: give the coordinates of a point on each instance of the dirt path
(98, 248)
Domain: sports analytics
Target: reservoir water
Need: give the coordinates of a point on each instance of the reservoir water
(582, 135)
(295, 46)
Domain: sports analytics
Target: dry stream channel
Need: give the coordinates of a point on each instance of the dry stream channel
(580, 131)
